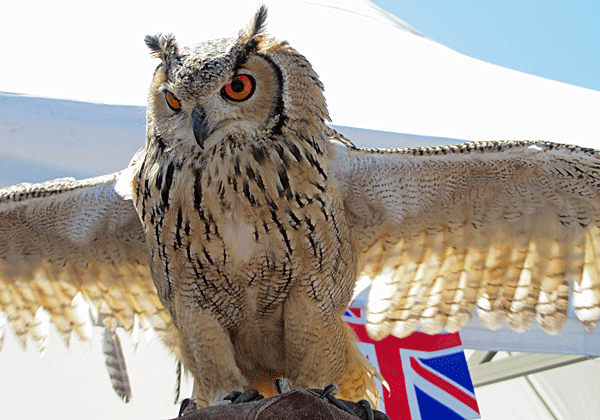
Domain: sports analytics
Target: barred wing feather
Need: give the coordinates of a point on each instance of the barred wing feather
(62, 237)
(507, 227)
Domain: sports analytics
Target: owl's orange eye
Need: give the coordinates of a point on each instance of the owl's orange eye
(240, 88)
(172, 101)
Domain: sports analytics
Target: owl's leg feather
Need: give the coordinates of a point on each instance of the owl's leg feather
(358, 379)
(321, 349)
(206, 350)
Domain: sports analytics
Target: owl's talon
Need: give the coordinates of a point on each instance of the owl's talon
(232, 395)
(282, 385)
(328, 393)
(187, 406)
(237, 397)
(330, 389)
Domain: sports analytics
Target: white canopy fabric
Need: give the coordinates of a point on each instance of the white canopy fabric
(379, 74)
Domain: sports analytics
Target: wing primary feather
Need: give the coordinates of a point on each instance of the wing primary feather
(586, 293)
(440, 297)
(62, 237)
(3, 322)
(458, 310)
(530, 211)
(384, 290)
(21, 316)
(553, 302)
(493, 298)
(471, 267)
(413, 304)
(40, 333)
(521, 310)
(390, 291)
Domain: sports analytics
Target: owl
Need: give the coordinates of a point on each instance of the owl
(241, 228)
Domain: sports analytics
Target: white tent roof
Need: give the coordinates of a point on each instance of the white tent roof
(378, 73)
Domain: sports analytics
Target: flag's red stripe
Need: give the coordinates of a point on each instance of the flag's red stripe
(396, 401)
(445, 385)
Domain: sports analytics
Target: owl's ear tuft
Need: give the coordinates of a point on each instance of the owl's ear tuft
(259, 24)
(252, 36)
(162, 46)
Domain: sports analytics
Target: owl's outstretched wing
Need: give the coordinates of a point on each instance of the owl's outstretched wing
(61, 237)
(504, 226)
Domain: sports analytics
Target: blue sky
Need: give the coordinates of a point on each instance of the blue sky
(558, 40)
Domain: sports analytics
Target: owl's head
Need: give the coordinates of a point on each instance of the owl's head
(245, 87)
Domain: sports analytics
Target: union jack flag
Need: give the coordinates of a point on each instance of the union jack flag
(427, 375)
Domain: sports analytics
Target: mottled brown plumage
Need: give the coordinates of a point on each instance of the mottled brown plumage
(251, 252)
(257, 219)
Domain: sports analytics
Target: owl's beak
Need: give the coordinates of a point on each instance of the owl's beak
(201, 129)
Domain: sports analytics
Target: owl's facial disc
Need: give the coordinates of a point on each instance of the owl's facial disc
(240, 89)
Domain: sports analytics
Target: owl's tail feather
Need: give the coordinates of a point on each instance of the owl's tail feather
(115, 364)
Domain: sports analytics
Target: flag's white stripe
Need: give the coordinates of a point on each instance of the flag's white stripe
(353, 319)
(438, 353)
(443, 397)
(412, 379)
(411, 394)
